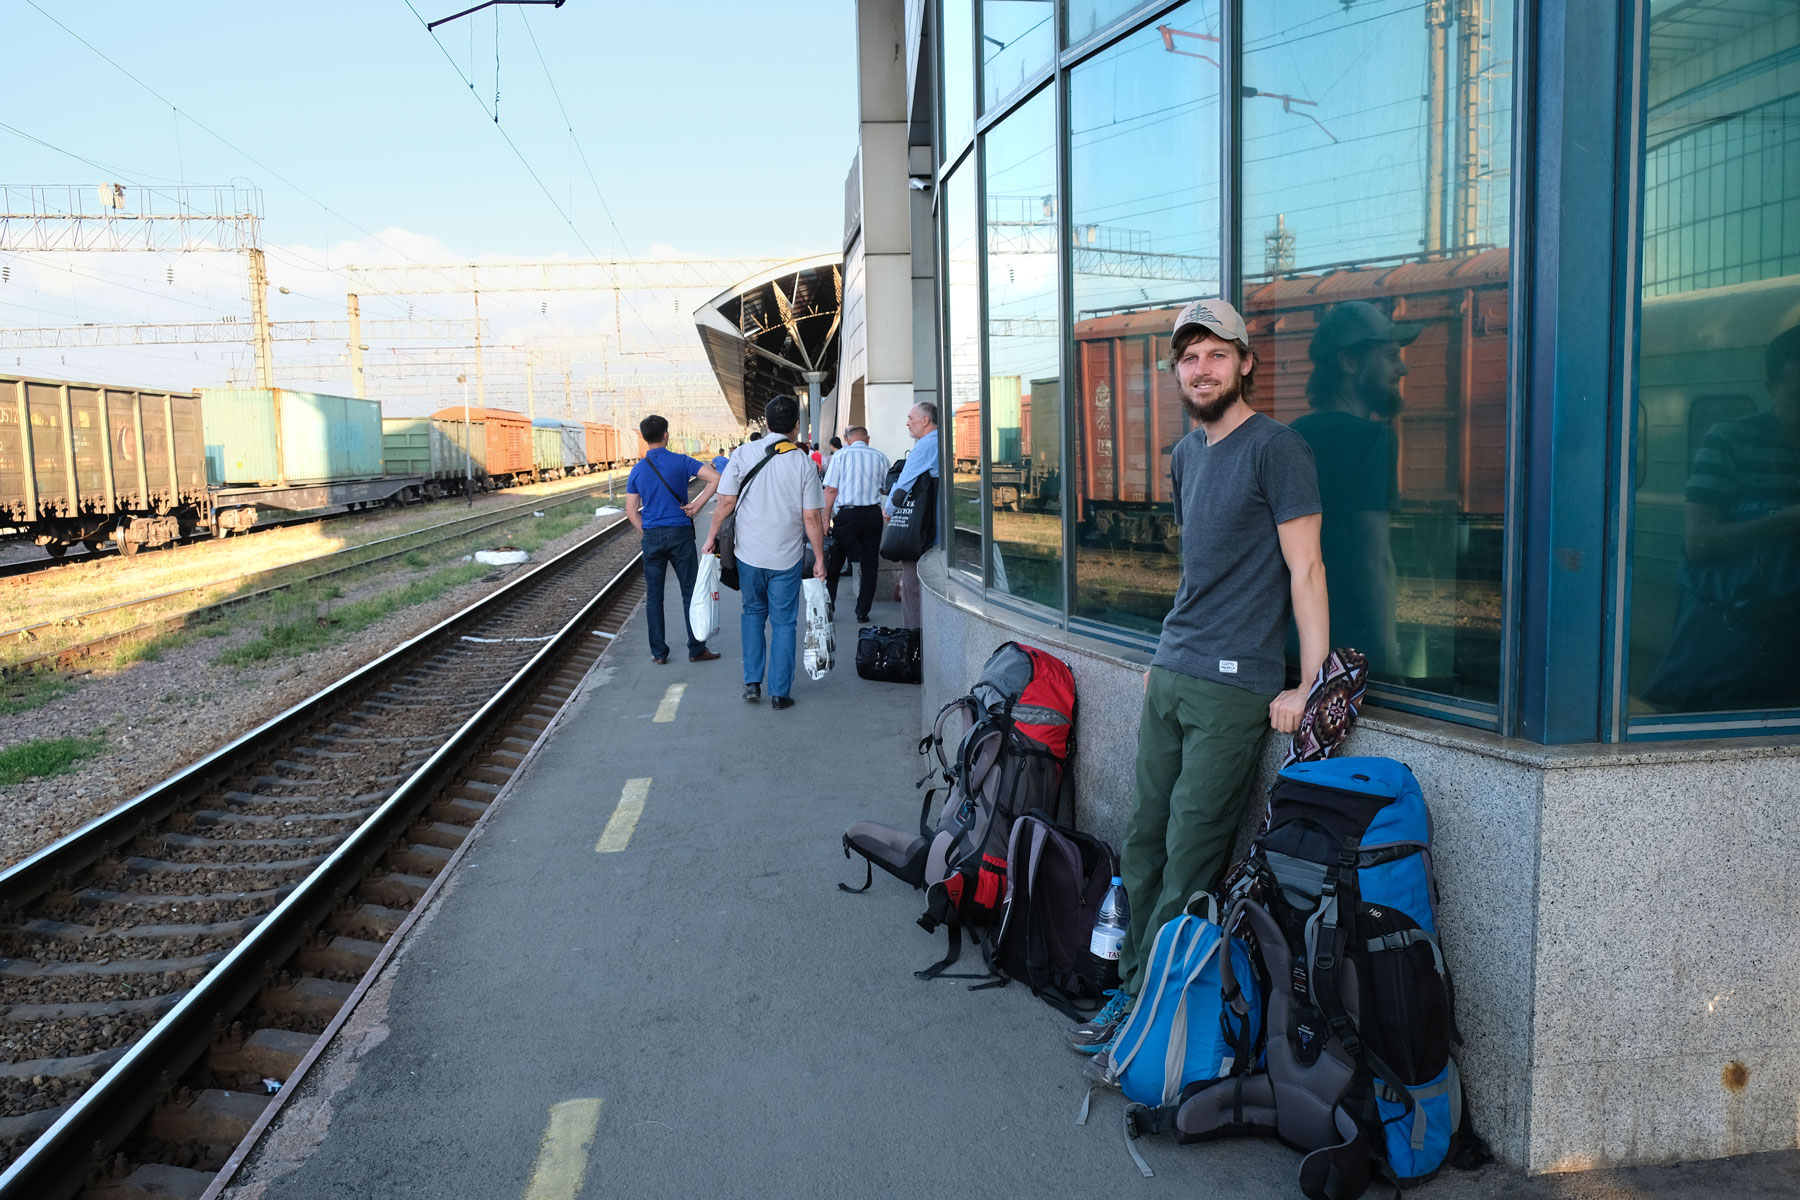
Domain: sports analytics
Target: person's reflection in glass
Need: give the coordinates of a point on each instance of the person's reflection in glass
(1354, 391)
(1736, 641)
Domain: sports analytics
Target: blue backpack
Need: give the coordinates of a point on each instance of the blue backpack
(1339, 895)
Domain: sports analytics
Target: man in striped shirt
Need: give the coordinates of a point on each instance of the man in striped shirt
(853, 481)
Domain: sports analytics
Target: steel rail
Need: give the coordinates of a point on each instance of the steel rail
(80, 650)
(59, 1162)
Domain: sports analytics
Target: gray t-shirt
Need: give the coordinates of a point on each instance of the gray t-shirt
(770, 531)
(1232, 609)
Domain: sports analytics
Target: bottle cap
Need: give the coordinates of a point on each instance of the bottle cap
(1118, 881)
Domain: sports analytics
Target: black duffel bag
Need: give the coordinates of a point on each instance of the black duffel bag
(913, 524)
(888, 655)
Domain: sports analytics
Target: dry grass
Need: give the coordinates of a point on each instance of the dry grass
(285, 553)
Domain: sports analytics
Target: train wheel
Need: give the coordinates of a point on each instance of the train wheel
(128, 549)
(93, 544)
(55, 549)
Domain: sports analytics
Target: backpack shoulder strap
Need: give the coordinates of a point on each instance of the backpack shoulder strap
(782, 447)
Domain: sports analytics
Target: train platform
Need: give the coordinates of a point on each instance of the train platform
(642, 981)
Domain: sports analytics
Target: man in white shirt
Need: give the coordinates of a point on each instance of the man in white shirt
(781, 510)
(853, 480)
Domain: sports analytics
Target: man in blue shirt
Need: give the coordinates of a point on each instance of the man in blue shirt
(656, 502)
(921, 422)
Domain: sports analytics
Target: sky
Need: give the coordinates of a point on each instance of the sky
(642, 131)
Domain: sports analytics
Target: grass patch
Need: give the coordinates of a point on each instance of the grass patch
(32, 691)
(417, 560)
(52, 756)
(311, 630)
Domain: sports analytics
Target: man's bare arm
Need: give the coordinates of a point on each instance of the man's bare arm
(634, 511)
(1306, 570)
(814, 520)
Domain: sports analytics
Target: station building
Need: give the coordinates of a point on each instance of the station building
(1571, 549)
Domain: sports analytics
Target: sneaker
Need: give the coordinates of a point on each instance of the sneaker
(753, 692)
(1097, 1032)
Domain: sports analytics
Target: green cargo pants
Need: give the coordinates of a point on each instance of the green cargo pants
(1196, 761)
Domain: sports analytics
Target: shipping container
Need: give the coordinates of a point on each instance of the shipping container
(79, 461)
(505, 451)
(573, 454)
(276, 437)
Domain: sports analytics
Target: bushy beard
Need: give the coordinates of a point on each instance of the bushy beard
(1213, 409)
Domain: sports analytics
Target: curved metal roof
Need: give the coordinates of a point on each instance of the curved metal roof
(764, 334)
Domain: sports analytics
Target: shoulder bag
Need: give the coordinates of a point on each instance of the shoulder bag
(725, 536)
(913, 525)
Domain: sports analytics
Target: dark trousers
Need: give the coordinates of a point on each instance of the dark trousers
(855, 537)
(671, 546)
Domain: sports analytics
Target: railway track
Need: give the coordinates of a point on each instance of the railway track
(175, 960)
(25, 572)
(397, 545)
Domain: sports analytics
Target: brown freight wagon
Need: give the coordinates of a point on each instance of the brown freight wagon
(1452, 430)
(84, 462)
(602, 444)
(508, 447)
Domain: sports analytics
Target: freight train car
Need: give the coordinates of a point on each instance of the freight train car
(506, 449)
(86, 462)
(602, 444)
(433, 451)
(569, 453)
(276, 448)
(1452, 430)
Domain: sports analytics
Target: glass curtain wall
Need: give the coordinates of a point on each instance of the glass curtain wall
(958, 75)
(1375, 192)
(1024, 406)
(959, 425)
(1085, 17)
(1715, 591)
(1144, 210)
(1018, 38)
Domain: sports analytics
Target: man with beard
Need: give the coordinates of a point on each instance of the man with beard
(1354, 392)
(1247, 499)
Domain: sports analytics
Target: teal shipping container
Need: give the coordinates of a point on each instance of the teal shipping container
(273, 437)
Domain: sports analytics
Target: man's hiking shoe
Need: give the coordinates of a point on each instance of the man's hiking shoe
(1097, 1032)
(753, 692)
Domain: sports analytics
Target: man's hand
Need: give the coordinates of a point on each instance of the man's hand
(1146, 683)
(708, 547)
(1286, 710)
(818, 567)
(693, 506)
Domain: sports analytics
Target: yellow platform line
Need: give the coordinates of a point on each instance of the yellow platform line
(625, 817)
(665, 712)
(563, 1154)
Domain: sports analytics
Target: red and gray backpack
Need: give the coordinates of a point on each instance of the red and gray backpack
(1019, 723)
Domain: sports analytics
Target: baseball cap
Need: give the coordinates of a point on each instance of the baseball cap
(1216, 317)
(1354, 322)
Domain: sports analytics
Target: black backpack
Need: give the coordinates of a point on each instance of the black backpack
(1056, 878)
(1009, 762)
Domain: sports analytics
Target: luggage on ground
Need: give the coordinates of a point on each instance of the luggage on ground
(1181, 1031)
(1010, 761)
(1056, 879)
(888, 655)
(912, 527)
(1339, 896)
(703, 610)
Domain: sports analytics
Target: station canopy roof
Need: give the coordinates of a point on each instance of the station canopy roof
(764, 334)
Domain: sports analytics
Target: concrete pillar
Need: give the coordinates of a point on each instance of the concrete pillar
(887, 220)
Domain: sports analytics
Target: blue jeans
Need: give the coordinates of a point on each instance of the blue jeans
(670, 546)
(771, 597)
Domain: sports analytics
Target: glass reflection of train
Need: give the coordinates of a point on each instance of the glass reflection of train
(1452, 431)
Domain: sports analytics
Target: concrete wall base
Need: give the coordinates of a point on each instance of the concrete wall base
(1618, 919)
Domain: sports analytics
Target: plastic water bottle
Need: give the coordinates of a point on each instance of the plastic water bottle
(1110, 928)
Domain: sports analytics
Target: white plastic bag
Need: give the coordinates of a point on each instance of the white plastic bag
(703, 611)
(821, 646)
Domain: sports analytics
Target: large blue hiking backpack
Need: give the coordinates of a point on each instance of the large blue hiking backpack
(1339, 896)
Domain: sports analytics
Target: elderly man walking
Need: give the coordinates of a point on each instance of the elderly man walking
(853, 481)
(774, 489)
(656, 501)
(922, 423)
